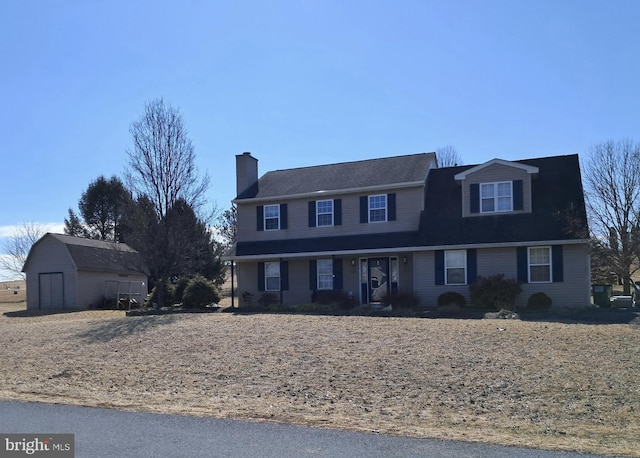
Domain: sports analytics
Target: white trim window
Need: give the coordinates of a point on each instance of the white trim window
(378, 208)
(324, 213)
(325, 273)
(272, 276)
(496, 197)
(271, 217)
(540, 264)
(455, 267)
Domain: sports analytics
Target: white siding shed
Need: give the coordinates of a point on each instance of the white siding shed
(66, 272)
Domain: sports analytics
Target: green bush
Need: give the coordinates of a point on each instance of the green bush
(539, 301)
(167, 297)
(451, 298)
(495, 292)
(199, 293)
(401, 300)
(179, 287)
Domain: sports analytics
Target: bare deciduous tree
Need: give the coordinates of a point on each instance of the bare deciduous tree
(448, 156)
(162, 161)
(18, 245)
(611, 172)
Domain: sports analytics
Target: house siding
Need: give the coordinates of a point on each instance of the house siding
(409, 203)
(573, 291)
(496, 173)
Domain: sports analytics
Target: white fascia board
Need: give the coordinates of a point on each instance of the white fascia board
(330, 192)
(528, 168)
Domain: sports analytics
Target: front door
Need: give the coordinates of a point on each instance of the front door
(378, 278)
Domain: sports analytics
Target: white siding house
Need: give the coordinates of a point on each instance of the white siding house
(65, 272)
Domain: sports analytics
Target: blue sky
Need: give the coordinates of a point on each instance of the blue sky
(302, 83)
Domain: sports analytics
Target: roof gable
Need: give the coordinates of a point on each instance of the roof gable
(519, 165)
(346, 176)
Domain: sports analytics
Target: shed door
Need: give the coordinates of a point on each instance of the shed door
(51, 291)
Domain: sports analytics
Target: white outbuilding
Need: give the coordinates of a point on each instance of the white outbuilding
(74, 273)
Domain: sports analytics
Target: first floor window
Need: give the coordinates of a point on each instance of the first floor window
(455, 262)
(377, 208)
(272, 276)
(325, 274)
(271, 217)
(540, 264)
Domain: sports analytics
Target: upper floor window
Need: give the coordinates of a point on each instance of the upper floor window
(324, 213)
(496, 197)
(271, 217)
(540, 264)
(455, 262)
(377, 208)
(272, 276)
(325, 273)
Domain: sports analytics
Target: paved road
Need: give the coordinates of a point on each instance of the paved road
(110, 433)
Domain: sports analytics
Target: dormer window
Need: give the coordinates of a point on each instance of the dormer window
(496, 197)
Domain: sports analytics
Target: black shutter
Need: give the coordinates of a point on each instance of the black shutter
(337, 212)
(391, 206)
(474, 196)
(284, 275)
(518, 199)
(364, 209)
(523, 265)
(337, 273)
(283, 216)
(312, 213)
(261, 276)
(260, 217)
(313, 275)
(472, 266)
(439, 265)
(557, 263)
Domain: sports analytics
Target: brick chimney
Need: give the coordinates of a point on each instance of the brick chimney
(246, 172)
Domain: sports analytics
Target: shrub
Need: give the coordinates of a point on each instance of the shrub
(199, 293)
(539, 301)
(451, 298)
(179, 287)
(153, 297)
(268, 299)
(494, 292)
(401, 300)
(334, 297)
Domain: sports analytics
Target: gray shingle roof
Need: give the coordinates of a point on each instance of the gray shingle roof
(347, 175)
(558, 211)
(102, 256)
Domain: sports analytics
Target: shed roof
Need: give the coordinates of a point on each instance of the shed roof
(98, 255)
(388, 171)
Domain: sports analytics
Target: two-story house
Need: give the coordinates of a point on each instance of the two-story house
(403, 224)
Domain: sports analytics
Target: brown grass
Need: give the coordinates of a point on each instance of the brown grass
(539, 384)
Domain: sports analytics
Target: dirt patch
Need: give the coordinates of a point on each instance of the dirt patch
(540, 384)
